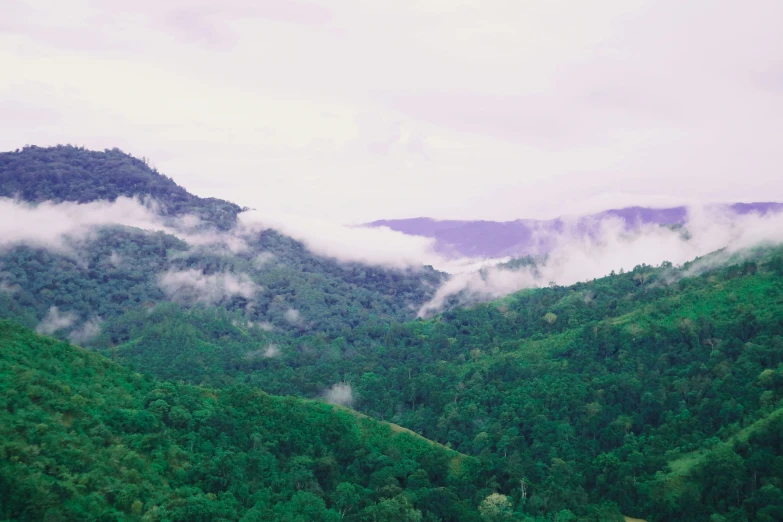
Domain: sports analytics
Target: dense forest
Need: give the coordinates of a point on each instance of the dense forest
(625, 389)
(121, 270)
(68, 173)
(656, 393)
(117, 269)
(82, 438)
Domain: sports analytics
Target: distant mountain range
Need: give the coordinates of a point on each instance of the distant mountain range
(492, 239)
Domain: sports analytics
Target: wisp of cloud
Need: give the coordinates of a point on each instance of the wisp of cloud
(55, 320)
(577, 256)
(193, 285)
(340, 394)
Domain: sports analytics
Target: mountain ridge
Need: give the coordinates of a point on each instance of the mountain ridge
(575, 402)
(69, 173)
(529, 236)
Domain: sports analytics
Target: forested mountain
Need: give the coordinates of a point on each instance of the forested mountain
(67, 173)
(656, 393)
(276, 283)
(633, 389)
(272, 280)
(84, 439)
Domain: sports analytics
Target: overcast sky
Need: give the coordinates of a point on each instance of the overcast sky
(352, 110)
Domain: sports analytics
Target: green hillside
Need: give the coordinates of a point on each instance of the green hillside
(84, 439)
(588, 394)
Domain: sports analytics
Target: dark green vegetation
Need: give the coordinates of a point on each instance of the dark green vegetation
(82, 438)
(632, 389)
(588, 392)
(117, 270)
(656, 393)
(66, 173)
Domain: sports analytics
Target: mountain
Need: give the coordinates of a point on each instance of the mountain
(67, 173)
(655, 393)
(271, 280)
(522, 237)
(658, 391)
(82, 438)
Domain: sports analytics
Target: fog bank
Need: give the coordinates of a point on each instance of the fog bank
(577, 256)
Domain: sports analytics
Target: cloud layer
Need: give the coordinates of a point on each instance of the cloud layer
(57, 225)
(577, 257)
(374, 246)
(574, 257)
(51, 224)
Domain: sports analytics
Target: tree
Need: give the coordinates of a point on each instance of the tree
(397, 509)
(304, 507)
(496, 508)
(347, 497)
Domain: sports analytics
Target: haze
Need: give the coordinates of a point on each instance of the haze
(353, 111)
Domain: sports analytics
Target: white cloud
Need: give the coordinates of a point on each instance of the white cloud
(88, 331)
(577, 257)
(293, 316)
(374, 246)
(271, 351)
(57, 225)
(340, 394)
(50, 224)
(115, 259)
(266, 326)
(55, 320)
(263, 259)
(194, 285)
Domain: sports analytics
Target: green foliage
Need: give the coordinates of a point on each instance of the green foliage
(656, 393)
(82, 438)
(495, 508)
(116, 276)
(590, 411)
(636, 376)
(67, 173)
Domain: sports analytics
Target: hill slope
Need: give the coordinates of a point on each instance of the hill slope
(82, 438)
(96, 276)
(67, 173)
(577, 396)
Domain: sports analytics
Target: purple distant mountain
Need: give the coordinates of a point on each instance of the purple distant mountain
(532, 236)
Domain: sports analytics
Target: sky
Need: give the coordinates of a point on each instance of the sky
(351, 111)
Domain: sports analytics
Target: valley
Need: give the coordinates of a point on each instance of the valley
(188, 365)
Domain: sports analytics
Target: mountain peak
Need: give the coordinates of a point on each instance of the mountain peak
(69, 173)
